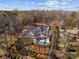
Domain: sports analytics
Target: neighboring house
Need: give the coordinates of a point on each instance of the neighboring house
(71, 37)
(72, 34)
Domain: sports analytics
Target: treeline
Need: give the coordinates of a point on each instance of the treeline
(13, 21)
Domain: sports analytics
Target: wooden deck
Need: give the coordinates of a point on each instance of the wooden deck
(41, 52)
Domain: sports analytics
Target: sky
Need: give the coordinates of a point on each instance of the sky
(68, 5)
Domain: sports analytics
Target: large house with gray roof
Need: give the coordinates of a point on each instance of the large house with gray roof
(40, 34)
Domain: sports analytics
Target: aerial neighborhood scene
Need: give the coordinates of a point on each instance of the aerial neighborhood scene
(39, 29)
